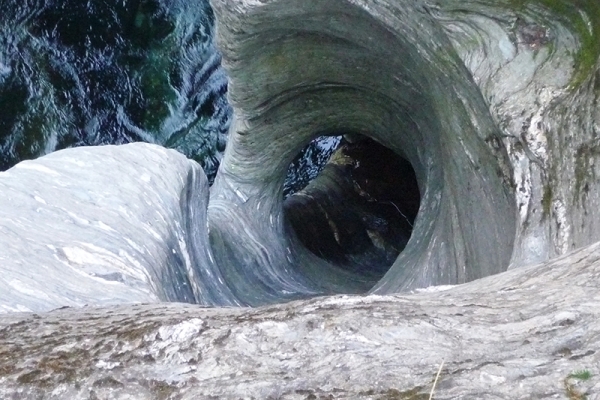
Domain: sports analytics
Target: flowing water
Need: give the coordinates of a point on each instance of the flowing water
(76, 73)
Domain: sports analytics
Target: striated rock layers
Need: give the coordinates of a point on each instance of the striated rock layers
(105, 225)
(469, 146)
(493, 104)
(518, 335)
(482, 115)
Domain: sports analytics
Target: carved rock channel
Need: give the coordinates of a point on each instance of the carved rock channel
(491, 110)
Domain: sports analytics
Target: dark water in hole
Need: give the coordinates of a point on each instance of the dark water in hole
(309, 163)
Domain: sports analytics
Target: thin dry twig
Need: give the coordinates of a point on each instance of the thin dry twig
(436, 379)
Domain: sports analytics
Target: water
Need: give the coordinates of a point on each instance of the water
(309, 163)
(76, 73)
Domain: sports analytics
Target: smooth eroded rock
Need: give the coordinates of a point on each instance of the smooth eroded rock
(105, 225)
(493, 105)
(517, 335)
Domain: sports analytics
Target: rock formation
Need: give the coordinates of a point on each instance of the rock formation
(105, 225)
(517, 335)
(491, 111)
(476, 96)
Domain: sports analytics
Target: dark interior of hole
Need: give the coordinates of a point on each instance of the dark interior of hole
(358, 213)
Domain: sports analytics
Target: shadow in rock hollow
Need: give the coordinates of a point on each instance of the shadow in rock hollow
(358, 213)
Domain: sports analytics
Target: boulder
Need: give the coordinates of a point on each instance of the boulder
(105, 225)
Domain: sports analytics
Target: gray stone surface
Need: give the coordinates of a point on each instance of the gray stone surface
(495, 105)
(105, 225)
(527, 63)
(479, 97)
(517, 335)
(491, 102)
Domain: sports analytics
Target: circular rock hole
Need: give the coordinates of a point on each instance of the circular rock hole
(353, 202)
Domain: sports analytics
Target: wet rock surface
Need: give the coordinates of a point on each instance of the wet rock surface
(474, 95)
(492, 107)
(105, 225)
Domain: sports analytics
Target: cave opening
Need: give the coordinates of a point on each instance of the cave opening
(352, 202)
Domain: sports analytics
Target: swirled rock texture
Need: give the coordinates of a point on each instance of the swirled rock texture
(537, 66)
(88, 226)
(345, 67)
(493, 104)
(496, 338)
(490, 111)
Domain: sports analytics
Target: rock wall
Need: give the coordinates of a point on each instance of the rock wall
(536, 64)
(493, 103)
(494, 106)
